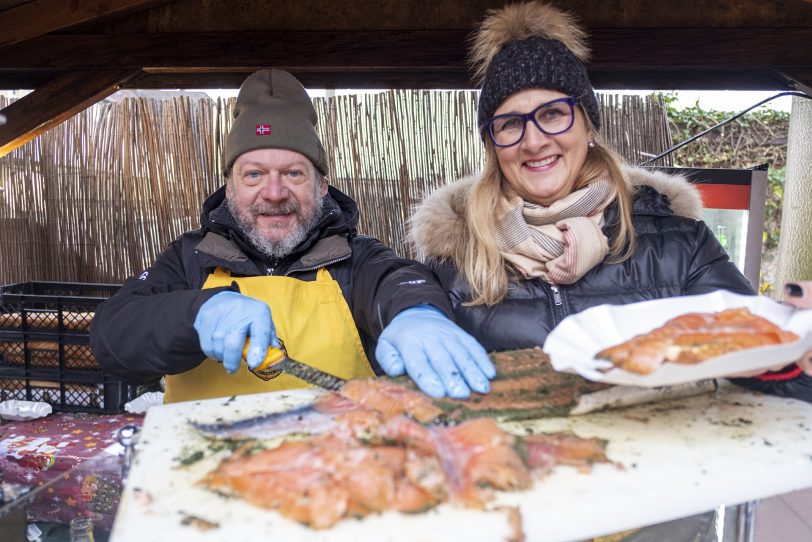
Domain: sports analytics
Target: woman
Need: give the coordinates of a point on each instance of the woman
(556, 223)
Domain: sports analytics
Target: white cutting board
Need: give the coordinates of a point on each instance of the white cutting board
(674, 459)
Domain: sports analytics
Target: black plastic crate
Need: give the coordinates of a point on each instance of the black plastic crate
(45, 347)
(51, 307)
(67, 391)
(36, 351)
(46, 325)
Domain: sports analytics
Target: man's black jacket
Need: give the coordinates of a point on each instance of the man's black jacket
(147, 330)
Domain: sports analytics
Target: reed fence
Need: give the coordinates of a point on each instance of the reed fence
(98, 197)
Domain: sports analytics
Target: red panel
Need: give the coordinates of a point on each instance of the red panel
(725, 196)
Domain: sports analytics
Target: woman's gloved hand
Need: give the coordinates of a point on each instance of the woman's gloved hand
(225, 321)
(436, 353)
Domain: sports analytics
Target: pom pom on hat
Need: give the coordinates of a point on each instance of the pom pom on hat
(531, 45)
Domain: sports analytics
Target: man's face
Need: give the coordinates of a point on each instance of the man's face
(276, 196)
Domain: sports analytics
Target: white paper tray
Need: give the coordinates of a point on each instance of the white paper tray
(572, 345)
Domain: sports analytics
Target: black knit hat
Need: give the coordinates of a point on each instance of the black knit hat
(274, 111)
(531, 45)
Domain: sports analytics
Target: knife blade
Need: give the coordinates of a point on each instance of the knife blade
(277, 361)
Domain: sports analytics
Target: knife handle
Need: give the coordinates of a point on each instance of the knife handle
(274, 355)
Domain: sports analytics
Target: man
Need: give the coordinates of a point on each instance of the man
(278, 259)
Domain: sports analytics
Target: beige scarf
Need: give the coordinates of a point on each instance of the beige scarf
(559, 243)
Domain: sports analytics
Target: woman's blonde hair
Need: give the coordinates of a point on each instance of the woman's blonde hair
(482, 265)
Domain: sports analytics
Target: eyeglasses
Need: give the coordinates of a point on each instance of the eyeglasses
(552, 118)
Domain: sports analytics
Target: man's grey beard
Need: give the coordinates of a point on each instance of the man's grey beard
(276, 248)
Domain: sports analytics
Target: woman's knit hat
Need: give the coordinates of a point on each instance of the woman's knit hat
(531, 45)
(274, 111)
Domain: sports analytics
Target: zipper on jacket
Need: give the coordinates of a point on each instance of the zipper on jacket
(269, 270)
(556, 295)
(318, 266)
(558, 310)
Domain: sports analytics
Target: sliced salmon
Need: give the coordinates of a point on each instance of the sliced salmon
(477, 457)
(391, 399)
(695, 337)
(379, 457)
(546, 450)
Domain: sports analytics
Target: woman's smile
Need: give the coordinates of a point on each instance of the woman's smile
(544, 164)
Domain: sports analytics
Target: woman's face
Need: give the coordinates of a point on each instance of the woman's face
(543, 168)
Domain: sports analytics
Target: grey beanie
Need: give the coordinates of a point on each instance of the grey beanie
(274, 111)
(531, 45)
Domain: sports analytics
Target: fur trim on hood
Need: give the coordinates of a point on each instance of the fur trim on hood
(683, 196)
(438, 224)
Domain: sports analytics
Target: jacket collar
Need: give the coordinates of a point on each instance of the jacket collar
(655, 193)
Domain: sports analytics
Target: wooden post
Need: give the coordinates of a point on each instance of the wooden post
(795, 244)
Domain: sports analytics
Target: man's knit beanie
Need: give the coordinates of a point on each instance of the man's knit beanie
(531, 45)
(274, 111)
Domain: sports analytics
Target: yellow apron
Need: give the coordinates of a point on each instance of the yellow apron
(311, 317)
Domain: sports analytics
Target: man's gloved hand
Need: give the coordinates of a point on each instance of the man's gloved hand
(225, 321)
(436, 353)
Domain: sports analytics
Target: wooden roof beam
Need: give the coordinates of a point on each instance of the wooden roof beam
(806, 4)
(40, 17)
(679, 58)
(448, 78)
(55, 102)
(616, 49)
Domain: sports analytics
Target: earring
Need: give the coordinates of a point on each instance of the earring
(591, 144)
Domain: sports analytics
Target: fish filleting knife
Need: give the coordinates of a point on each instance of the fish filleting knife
(277, 361)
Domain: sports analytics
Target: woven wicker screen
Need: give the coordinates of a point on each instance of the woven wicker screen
(97, 198)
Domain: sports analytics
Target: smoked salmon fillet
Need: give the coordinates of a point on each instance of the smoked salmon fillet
(695, 337)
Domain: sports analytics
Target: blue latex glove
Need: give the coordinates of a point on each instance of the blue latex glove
(435, 352)
(226, 320)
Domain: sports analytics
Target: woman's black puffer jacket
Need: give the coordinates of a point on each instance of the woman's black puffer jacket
(676, 255)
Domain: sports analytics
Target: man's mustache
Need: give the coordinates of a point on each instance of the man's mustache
(273, 209)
